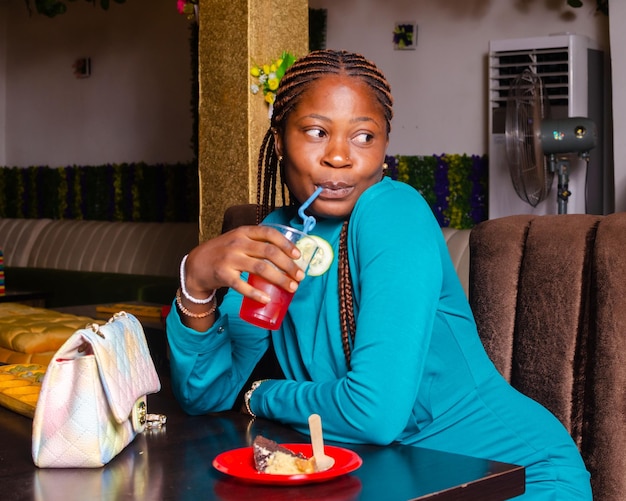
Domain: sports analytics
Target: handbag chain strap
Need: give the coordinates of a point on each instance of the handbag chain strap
(147, 420)
(96, 327)
(151, 421)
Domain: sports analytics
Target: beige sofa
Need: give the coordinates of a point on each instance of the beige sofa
(458, 246)
(82, 262)
(87, 262)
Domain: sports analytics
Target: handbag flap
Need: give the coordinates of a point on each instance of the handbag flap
(124, 363)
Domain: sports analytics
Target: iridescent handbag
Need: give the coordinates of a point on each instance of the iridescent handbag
(92, 402)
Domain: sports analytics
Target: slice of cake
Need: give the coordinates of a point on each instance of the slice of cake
(269, 457)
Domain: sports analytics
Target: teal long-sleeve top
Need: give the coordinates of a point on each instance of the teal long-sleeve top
(419, 373)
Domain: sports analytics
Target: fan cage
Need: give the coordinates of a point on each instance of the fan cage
(574, 70)
(527, 105)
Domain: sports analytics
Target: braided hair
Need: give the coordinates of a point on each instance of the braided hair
(294, 84)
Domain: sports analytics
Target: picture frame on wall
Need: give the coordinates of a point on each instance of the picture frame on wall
(405, 35)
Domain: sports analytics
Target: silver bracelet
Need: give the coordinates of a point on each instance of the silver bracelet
(248, 395)
(184, 289)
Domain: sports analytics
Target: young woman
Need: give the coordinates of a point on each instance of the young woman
(383, 345)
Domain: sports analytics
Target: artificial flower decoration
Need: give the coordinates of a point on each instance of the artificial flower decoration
(187, 8)
(268, 76)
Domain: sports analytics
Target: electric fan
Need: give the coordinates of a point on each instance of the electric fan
(537, 146)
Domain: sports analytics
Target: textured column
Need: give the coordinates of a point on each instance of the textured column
(232, 120)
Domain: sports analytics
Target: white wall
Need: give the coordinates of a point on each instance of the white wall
(134, 107)
(618, 64)
(3, 100)
(440, 88)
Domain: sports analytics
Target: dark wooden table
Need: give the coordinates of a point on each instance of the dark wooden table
(174, 463)
(30, 298)
(91, 310)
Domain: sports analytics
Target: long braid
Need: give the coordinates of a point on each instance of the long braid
(296, 81)
(346, 302)
(267, 168)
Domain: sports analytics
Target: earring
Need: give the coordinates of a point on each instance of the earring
(385, 166)
(280, 159)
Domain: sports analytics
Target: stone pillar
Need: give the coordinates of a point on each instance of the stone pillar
(233, 121)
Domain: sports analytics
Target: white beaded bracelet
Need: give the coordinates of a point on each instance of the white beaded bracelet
(184, 289)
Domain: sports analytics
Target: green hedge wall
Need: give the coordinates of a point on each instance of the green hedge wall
(454, 185)
(112, 192)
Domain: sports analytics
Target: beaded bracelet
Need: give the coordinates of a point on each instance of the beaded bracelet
(191, 314)
(184, 289)
(248, 395)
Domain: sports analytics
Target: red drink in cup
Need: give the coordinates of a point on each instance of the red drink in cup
(270, 315)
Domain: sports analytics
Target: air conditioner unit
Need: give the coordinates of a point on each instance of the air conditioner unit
(571, 68)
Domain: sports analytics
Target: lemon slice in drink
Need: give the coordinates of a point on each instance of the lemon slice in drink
(322, 258)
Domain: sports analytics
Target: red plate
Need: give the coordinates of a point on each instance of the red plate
(239, 463)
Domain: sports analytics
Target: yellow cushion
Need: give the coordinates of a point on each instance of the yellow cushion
(30, 334)
(20, 386)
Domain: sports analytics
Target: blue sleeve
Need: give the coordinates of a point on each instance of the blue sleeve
(209, 369)
(396, 250)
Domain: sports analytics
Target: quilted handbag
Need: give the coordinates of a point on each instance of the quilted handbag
(92, 401)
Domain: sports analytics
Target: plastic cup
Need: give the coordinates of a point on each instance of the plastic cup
(270, 315)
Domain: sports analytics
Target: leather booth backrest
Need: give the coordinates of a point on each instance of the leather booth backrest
(549, 297)
(101, 246)
(17, 237)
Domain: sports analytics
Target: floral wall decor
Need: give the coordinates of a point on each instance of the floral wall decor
(267, 77)
(405, 36)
